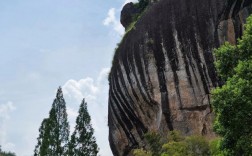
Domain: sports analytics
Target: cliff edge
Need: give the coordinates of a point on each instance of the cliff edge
(163, 69)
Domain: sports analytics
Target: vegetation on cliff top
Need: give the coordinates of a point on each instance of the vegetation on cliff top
(142, 6)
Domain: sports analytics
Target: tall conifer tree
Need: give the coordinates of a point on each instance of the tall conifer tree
(43, 140)
(82, 141)
(54, 131)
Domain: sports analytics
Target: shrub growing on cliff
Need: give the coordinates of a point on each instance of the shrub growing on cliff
(192, 145)
(141, 6)
(142, 152)
(155, 143)
(178, 145)
(232, 102)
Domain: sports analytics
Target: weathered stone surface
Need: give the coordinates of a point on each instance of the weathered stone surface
(163, 70)
(127, 14)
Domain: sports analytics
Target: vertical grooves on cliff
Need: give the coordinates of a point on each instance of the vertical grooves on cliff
(163, 69)
(125, 107)
(156, 48)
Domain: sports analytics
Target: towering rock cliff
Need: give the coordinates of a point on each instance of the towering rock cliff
(163, 69)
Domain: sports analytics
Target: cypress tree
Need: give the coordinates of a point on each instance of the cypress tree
(54, 131)
(82, 141)
(42, 146)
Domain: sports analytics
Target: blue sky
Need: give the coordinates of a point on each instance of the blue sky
(49, 43)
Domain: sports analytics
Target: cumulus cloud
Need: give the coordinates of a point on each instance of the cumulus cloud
(79, 89)
(95, 92)
(111, 20)
(5, 110)
(87, 88)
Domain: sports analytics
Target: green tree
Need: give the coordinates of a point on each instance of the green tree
(232, 102)
(215, 148)
(82, 141)
(179, 145)
(43, 141)
(155, 142)
(174, 148)
(54, 131)
(197, 146)
(141, 152)
(176, 145)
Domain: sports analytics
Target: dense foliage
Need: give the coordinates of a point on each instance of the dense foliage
(82, 141)
(232, 102)
(141, 6)
(53, 137)
(54, 131)
(155, 142)
(177, 145)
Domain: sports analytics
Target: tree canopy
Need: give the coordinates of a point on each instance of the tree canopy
(232, 102)
(178, 145)
(54, 131)
(82, 141)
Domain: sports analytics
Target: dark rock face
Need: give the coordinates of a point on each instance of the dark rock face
(127, 14)
(163, 69)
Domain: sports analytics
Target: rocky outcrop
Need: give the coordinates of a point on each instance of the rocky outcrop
(128, 13)
(163, 69)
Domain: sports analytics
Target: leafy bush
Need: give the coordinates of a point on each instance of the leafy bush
(174, 148)
(141, 152)
(155, 143)
(232, 102)
(197, 146)
(215, 148)
(178, 145)
(141, 7)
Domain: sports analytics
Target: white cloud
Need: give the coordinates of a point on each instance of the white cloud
(111, 20)
(5, 110)
(111, 17)
(80, 89)
(87, 88)
(95, 92)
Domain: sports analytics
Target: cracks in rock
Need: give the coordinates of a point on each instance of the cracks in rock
(195, 108)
